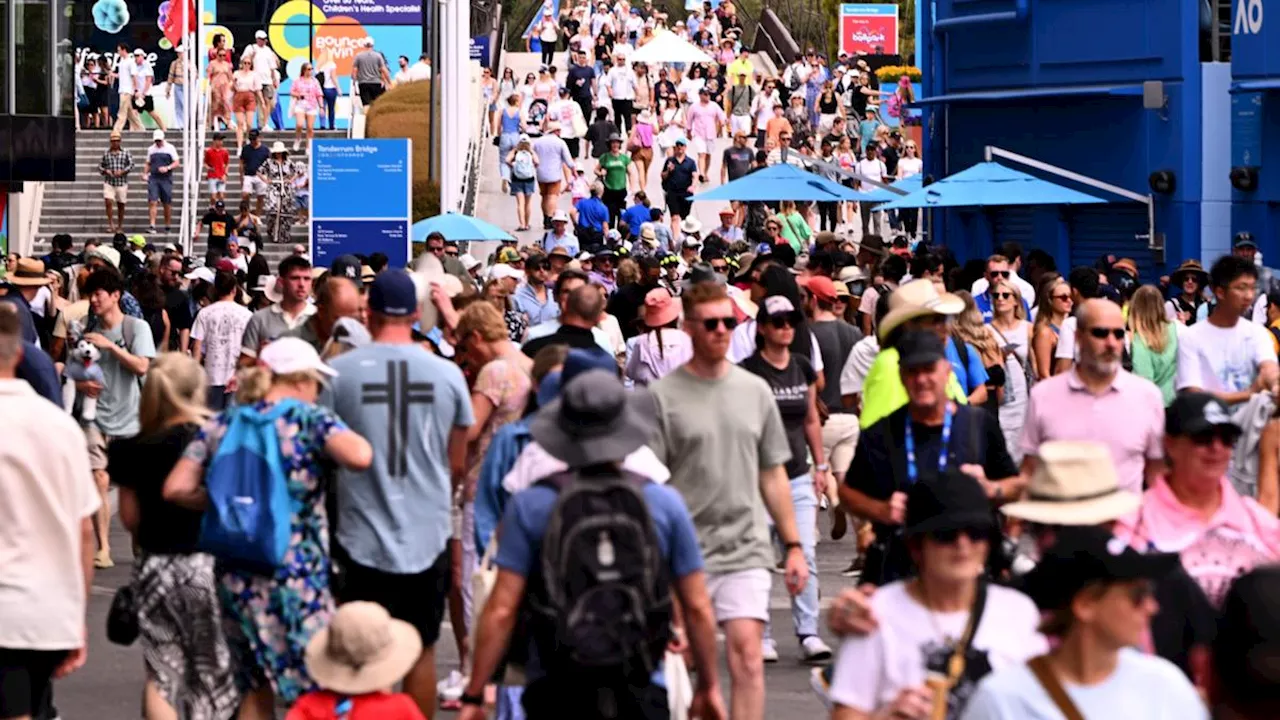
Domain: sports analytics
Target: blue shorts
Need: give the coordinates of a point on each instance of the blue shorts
(160, 190)
(304, 199)
(521, 187)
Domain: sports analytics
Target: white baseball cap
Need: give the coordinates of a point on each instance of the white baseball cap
(157, 135)
(200, 273)
(260, 35)
(468, 262)
(293, 355)
(502, 271)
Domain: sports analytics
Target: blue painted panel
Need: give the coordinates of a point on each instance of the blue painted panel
(1246, 129)
(1254, 40)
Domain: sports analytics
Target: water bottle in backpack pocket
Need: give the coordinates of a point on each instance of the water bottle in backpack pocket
(601, 606)
(249, 519)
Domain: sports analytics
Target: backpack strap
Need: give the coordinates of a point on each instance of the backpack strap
(1039, 667)
(956, 664)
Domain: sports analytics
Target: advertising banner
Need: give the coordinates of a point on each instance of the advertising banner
(373, 12)
(481, 49)
(361, 199)
(869, 28)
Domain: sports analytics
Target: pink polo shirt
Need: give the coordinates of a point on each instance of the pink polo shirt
(1128, 418)
(1240, 536)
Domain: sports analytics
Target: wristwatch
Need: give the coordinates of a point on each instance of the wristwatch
(477, 700)
(793, 546)
(822, 467)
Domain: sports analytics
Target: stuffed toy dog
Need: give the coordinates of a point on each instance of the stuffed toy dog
(82, 366)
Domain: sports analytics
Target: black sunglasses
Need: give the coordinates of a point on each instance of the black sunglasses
(1002, 295)
(435, 248)
(791, 319)
(998, 273)
(451, 252)
(1101, 333)
(951, 535)
(1141, 591)
(712, 323)
(719, 268)
(1226, 434)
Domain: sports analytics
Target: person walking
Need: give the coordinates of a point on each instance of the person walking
(1010, 327)
(307, 95)
(663, 346)
(618, 176)
(115, 166)
(269, 618)
(266, 70)
(521, 166)
(293, 283)
(730, 486)
(216, 335)
(394, 514)
(678, 174)
(1053, 307)
(1154, 340)
(554, 170)
(184, 649)
(46, 536)
(162, 158)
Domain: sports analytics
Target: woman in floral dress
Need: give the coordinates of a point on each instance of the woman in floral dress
(220, 72)
(281, 175)
(270, 618)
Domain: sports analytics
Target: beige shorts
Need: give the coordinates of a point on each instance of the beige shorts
(839, 439)
(117, 193)
(254, 185)
(97, 444)
(739, 595)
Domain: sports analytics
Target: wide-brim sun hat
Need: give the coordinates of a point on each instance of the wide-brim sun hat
(29, 273)
(1189, 267)
(594, 421)
(918, 298)
(269, 286)
(660, 309)
(1074, 483)
(362, 651)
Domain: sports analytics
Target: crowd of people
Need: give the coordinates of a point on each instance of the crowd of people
(601, 126)
(1055, 494)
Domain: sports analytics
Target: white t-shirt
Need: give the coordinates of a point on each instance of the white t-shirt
(330, 70)
(1143, 687)
(1217, 359)
(1066, 349)
(219, 328)
(265, 63)
(872, 169)
(48, 491)
(858, 364)
(909, 166)
(125, 71)
(622, 83)
(912, 642)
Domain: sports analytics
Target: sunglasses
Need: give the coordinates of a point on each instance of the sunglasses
(951, 535)
(1225, 434)
(1065, 296)
(435, 249)
(786, 320)
(1101, 333)
(451, 252)
(1002, 295)
(1139, 592)
(998, 273)
(712, 323)
(720, 268)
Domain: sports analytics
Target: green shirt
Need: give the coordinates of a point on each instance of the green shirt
(796, 231)
(615, 170)
(883, 392)
(1158, 367)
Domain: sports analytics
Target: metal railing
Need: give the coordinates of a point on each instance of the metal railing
(774, 39)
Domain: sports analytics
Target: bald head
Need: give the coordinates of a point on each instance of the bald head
(336, 297)
(1099, 311)
(1100, 337)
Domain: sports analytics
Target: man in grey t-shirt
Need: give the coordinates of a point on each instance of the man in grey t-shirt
(555, 169)
(370, 73)
(720, 433)
(394, 519)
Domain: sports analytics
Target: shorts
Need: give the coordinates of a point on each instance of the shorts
(97, 444)
(119, 193)
(217, 186)
(679, 204)
(739, 595)
(254, 185)
(699, 146)
(521, 187)
(644, 154)
(160, 191)
(370, 92)
(304, 200)
(417, 598)
(739, 124)
(548, 188)
(25, 677)
(839, 438)
(244, 101)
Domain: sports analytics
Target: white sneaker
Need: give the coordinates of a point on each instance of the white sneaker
(451, 688)
(770, 651)
(821, 687)
(296, 145)
(813, 650)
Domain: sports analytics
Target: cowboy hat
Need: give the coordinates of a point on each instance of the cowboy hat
(917, 298)
(595, 420)
(363, 650)
(429, 268)
(1192, 267)
(1074, 484)
(743, 307)
(29, 273)
(269, 286)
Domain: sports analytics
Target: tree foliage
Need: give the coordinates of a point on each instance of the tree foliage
(402, 112)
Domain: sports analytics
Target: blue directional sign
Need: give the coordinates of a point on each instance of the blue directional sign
(361, 199)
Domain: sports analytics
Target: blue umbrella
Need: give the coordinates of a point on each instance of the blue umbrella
(990, 184)
(458, 227)
(907, 185)
(780, 182)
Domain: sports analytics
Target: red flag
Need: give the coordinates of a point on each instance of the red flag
(173, 25)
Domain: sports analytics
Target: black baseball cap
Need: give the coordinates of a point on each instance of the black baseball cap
(917, 348)
(1246, 647)
(948, 502)
(393, 293)
(1195, 413)
(1244, 239)
(1086, 554)
(347, 266)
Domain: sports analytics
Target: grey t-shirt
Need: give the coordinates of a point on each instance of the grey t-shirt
(268, 325)
(395, 516)
(553, 155)
(367, 67)
(117, 414)
(716, 436)
(836, 339)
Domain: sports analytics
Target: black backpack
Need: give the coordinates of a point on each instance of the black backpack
(601, 602)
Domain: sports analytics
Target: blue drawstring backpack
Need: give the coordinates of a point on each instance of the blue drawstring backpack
(248, 522)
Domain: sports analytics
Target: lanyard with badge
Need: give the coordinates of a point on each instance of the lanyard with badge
(909, 440)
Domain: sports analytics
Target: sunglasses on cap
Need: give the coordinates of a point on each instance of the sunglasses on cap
(1101, 333)
(785, 320)
(712, 323)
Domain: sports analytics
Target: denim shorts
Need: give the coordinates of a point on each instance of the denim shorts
(521, 187)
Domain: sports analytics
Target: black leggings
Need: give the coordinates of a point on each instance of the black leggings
(616, 201)
(910, 220)
(622, 111)
(548, 52)
(828, 213)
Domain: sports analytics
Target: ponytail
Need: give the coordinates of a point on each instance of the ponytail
(253, 384)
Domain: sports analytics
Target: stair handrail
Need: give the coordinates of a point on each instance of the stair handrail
(774, 39)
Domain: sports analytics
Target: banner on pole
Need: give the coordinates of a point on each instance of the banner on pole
(869, 28)
(361, 199)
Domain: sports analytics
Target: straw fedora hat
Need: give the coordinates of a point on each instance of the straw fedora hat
(269, 286)
(29, 273)
(1192, 267)
(917, 298)
(1074, 484)
(363, 650)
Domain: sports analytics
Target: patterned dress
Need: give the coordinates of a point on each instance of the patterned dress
(281, 176)
(268, 620)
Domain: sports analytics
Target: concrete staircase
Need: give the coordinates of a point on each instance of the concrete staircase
(76, 207)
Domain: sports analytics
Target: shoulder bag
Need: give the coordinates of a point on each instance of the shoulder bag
(122, 618)
(941, 685)
(1040, 668)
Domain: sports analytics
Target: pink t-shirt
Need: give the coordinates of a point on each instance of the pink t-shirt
(1128, 418)
(644, 135)
(1240, 536)
(702, 119)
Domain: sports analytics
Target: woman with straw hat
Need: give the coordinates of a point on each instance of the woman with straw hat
(281, 175)
(1190, 280)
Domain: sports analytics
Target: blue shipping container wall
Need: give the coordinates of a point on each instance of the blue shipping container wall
(1062, 83)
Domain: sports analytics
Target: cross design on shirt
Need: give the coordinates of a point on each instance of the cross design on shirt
(399, 395)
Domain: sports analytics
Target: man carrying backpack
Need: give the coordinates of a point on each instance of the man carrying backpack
(394, 517)
(599, 591)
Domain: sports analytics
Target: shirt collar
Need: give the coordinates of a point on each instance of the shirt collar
(1233, 513)
(1118, 383)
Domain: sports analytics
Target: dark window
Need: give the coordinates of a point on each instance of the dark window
(31, 42)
